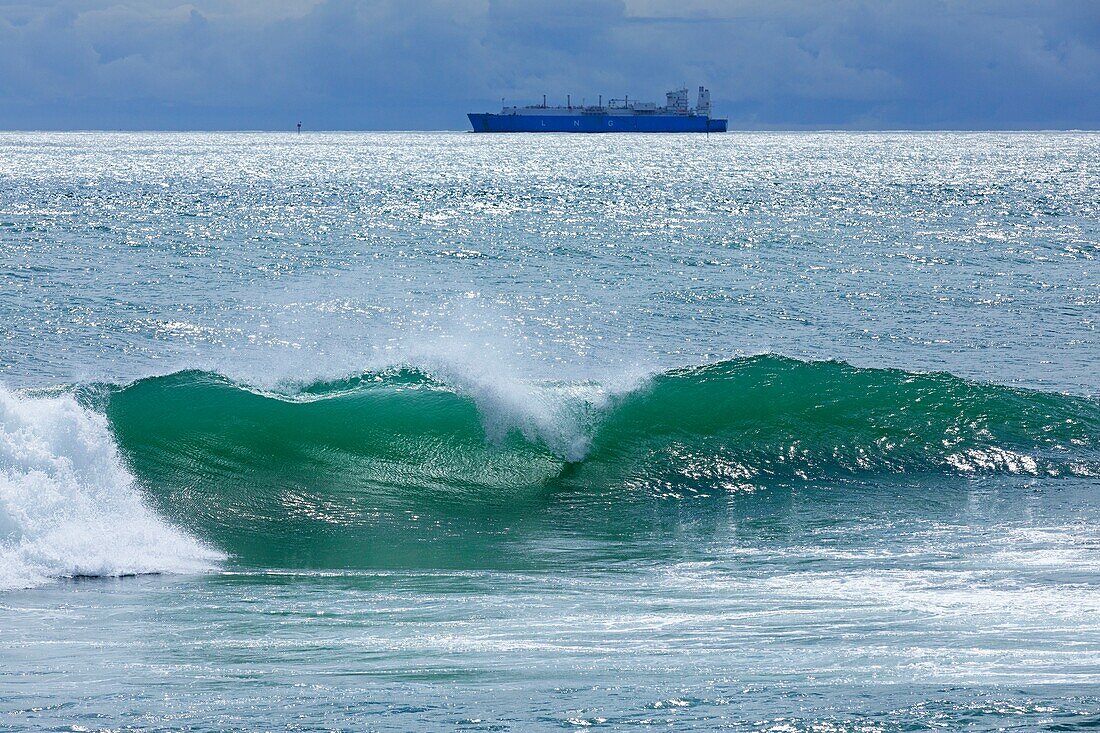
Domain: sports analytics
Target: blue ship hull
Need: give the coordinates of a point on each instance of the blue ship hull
(487, 122)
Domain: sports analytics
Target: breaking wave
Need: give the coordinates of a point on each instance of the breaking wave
(68, 506)
(743, 420)
(358, 466)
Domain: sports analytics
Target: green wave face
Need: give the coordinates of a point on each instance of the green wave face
(739, 423)
(397, 470)
(358, 474)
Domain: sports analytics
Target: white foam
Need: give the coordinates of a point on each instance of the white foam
(560, 414)
(993, 458)
(68, 506)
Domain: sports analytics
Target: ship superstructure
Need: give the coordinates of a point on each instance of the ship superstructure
(618, 115)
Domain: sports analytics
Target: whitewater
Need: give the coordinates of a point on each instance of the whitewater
(444, 432)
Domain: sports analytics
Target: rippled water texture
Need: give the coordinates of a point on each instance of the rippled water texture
(272, 256)
(768, 432)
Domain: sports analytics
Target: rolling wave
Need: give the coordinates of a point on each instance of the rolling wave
(362, 466)
(715, 426)
(399, 467)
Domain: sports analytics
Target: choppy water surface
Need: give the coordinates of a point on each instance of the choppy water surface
(440, 431)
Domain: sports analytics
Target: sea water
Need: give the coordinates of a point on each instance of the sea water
(785, 432)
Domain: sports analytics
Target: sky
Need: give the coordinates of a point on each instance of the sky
(422, 64)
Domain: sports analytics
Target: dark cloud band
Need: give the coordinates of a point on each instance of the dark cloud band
(358, 64)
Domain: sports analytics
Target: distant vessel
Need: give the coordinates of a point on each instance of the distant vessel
(620, 115)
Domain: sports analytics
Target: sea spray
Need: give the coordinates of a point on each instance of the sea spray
(68, 507)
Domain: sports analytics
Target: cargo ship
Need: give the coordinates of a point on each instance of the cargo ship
(620, 115)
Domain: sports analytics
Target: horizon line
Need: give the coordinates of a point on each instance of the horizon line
(293, 131)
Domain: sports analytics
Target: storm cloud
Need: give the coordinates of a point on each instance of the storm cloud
(421, 64)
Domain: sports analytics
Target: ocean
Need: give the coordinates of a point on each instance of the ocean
(441, 431)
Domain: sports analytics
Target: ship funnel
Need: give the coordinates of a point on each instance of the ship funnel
(703, 106)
